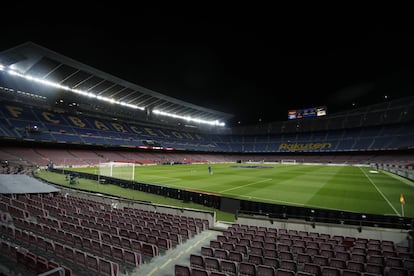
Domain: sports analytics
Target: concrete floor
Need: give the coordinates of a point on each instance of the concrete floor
(163, 265)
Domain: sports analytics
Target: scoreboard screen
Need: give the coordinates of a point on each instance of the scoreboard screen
(307, 112)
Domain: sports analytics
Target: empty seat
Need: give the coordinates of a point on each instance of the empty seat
(106, 250)
(288, 265)
(358, 258)
(264, 270)
(312, 268)
(132, 258)
(347, 272)
(284, 272)
(396, 271)
(303, 273)
(41, 265)
(393, 262)
(117, 253)
(272, 253)
(327, 253)
(196, 261)
(207, 251)
(255, 259)
(217, 273)
(221, 238)
(59, 250)
(212, 264)
(338, 263)
(330, 271)
(80, 258)
(303, 258)
(388, 253)
(235, 256)
(241, 248)
(270, 245)
(358, 250)
(228, 267)
(374, 268)
(355, 266)
(312, 251)
(199, 272)
(108, 268)
(285, 255)
(149, 249)
(227, 246)
(256, 250)
(247, 269)
(375, 259)
(342, 255)
(92, 262)
(220, 253)
(182, 270)
(273, 262)
(215, 244)
(408, 264)
(320, 260)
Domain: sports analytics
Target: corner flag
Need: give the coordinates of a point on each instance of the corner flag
(402, 199)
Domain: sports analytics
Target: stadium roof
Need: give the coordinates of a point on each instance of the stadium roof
(30, 59)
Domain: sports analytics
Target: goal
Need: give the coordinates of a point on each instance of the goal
(122, 170)
(288, 161)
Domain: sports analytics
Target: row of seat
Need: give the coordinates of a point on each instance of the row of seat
(116, 217)
(29, 260)
(94, 245)
(269, 266)
(185, 230)
(104, 210)
(164, 239)
(262, 270)
(291, 233)
(70, 254)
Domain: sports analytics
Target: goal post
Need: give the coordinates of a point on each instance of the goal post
(288, 161)
(122, 170)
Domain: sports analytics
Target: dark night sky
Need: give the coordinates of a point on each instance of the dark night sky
(249, 63)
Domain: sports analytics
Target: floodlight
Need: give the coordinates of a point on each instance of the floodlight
(67, 88)
(188, 118)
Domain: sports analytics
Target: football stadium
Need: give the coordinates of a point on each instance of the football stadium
(101, 176)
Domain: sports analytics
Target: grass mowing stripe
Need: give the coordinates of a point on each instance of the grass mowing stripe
(400, 178)
(386, 199)
(333, 187)
(234, 188)
(273, 200)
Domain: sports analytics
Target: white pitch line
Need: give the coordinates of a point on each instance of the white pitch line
(386, 199)
(279, 201)
(264, 180)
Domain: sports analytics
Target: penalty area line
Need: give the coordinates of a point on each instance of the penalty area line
(379, 191)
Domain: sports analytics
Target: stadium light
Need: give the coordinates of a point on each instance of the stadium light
(67, 88)
(188, 118)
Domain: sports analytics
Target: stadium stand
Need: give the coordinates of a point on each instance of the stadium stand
(84, 233)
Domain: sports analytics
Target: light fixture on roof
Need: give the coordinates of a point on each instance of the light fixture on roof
(189, 118)
(67, 88)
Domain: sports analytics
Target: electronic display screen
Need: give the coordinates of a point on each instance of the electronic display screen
(307, 112)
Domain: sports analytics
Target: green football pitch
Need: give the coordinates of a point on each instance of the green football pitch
(348, 188)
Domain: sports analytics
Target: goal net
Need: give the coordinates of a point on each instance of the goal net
(288, 161)
(120, 170)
